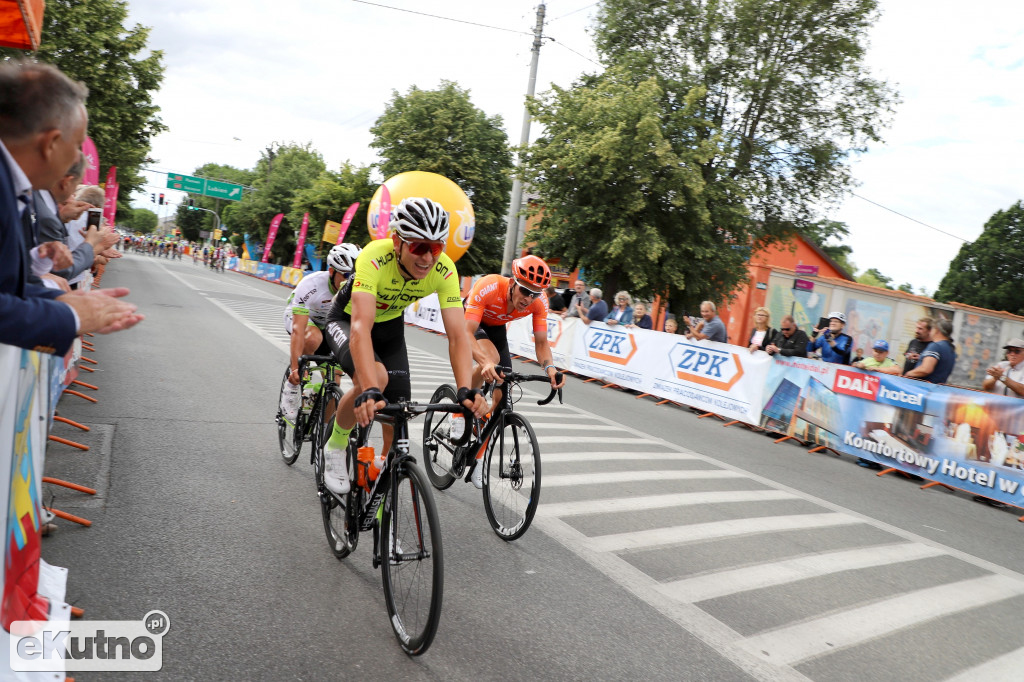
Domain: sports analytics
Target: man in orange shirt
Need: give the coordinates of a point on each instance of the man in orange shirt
(494, 302)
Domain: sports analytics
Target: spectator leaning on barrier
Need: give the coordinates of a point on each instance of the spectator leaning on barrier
(1007, 377)
(622, 313)
(556, 303)
(671, 325)
(42, 126)
(831, 342)
(922, 337)
(711, 327)
(762, 334)
(640, 317)
(598, 308)
(790, 341)
(858, 356)
(576, 297)
(879, 360)
(938, 357)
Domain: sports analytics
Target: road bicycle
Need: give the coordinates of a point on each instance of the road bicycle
(511, 459)
(315, 409)
(398, 508)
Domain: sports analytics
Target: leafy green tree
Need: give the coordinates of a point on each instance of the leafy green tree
(989, 272)
(441, 131)
(201, 220)
(90, 42)
(822, 231)
(142, 220)
(329, 197)
(906, 287)
(190, 222)
(872, 277)
(282, 171)
(763, 103)
(620, 199)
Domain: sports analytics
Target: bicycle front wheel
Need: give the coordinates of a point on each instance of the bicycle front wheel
(412, 561)
(439, 453)
(338, 512)
(285, 430)
(511, 477)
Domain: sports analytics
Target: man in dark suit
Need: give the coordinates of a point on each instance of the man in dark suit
(790, 341)
(42, 127)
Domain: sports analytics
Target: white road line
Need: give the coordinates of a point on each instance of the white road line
(560, 480)
(573, 427)
(715, 530)
(634, 504)
(1006, 668)
(595, 439)
(797, 643)
(553, 411)
(756, 577)
(575, 457)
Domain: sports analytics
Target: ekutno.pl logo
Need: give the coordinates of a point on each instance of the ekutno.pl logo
(89, 645)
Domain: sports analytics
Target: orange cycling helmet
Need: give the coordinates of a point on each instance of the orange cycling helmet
(532, 272)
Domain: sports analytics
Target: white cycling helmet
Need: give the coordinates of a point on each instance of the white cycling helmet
(837, 315)
(342, 257)
(420, 218)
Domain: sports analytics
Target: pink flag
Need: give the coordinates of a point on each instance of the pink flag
(346, 221)
(92, 163)
(274, 224)
(384, 213)
(301, 242)
(110, 198)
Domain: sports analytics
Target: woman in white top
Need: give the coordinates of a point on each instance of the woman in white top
(622, 313)
(763, 334)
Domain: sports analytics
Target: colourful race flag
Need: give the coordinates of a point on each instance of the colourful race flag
(346, 221)
(302, 240)
(271, 234)
(384, 213)
(92, 163)
(110, 197)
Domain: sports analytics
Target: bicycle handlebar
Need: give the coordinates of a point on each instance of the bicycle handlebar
(517, 378)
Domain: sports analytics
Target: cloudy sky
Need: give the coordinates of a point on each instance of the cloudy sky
(241, 74)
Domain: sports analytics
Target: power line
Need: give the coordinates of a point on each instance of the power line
(930, 227)
(564, 46)
(573, 12)
(435, 16)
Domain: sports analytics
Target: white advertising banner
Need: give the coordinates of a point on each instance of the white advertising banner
(426, 313)
(724, 379)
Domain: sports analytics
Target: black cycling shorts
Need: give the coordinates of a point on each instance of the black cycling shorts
(324, 348)
(497, 335)
(388, 339)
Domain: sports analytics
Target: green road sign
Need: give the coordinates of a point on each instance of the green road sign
(185, 183)
(210, 188)
(223, 190)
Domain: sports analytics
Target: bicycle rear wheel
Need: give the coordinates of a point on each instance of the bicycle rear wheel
(412, 565)
(439, 454)
(511, 477)
(285, 430)
(338, 512)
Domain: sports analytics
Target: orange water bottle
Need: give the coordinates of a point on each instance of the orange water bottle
(365, 457)
(376, 465)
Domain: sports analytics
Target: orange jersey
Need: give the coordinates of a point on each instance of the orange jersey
(488, 304)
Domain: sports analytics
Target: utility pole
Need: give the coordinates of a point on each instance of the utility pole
(514, 232)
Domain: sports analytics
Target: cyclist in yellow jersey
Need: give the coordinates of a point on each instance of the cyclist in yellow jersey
(366, 332)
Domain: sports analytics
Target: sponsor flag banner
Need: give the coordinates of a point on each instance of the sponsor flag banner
(331, 230)
(275, 223)
(561, 338)
(346, 221)
(425, 313)
(962, 438)
(110, 196)
(384, 213)
(92, 163)
(302, 240)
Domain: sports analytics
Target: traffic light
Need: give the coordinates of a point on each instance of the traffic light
(191, 204)
(161, 199)
(152, 198)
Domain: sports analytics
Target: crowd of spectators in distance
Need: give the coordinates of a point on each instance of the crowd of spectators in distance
(43, 123)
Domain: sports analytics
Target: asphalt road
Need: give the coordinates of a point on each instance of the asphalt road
(666, 546)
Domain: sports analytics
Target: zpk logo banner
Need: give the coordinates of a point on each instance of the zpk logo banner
(608, 345)
(706, 366)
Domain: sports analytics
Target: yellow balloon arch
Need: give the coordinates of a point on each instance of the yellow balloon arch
(462, 222)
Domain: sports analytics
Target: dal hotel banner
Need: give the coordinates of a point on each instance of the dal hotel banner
(965, 439)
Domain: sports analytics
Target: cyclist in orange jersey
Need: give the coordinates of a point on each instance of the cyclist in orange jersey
(494, 302)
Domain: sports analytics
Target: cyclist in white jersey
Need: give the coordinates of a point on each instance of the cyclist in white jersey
(307, 308)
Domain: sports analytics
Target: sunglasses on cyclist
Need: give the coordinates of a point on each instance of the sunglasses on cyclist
(529, 293)
(423, 248)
